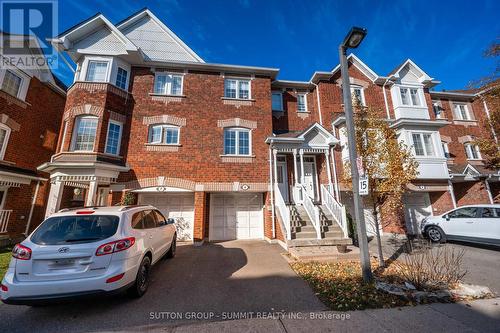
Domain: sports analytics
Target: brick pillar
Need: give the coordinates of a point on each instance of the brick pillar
(200, 215)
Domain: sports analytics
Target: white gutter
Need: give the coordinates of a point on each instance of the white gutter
(33, 202)
(385, 99)
(319, 103)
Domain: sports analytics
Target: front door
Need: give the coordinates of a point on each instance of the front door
(282, 180)
(310, 177)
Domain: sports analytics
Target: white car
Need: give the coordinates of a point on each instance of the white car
(473, 223)
(88, 251)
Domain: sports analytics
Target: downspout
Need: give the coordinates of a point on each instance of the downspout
(488, 190)
(319, 103)
(272, 191)
(489, 119)
(385, 99)
(33, 202)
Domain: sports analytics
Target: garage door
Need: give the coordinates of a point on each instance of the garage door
(174, 205)
(236, 216)
(417, 207)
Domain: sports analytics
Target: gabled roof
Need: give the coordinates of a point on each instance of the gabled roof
(361, 66)
(421, 76)
(302, 136)
(164, 45)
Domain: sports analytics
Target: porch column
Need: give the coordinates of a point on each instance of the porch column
(302, 178)
(336, 184)
(55, 196)
(488, 190)
(91, 194)
(295, 170)
(275, 166)
(452, 193)
(328, 171)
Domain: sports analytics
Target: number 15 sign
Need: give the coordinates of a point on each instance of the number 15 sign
(363, 185)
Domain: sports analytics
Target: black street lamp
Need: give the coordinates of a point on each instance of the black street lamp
(351, 41)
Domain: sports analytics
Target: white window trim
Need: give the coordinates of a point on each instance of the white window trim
(272, 93)
(163, 126)
(168, 73)
(3, 149)
(23, 87)
(441, 114)
(237, 79)
(74, 133)
(305, 102)
(237, 144)
(399, 99)
(362, 89)
(126, 79)
(119, 137)
(108, 71)
(446, 149)
(433, 141)
(467, 111)
(476, 148)
(65, 130)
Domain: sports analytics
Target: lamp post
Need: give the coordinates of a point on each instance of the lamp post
(352, 40)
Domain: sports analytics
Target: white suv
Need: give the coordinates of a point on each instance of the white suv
(88, 251)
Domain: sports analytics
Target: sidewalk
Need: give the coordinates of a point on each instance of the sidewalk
(477, 316)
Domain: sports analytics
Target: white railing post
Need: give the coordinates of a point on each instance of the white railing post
(337, 210)
(311, 210)
(283, 210)
(4, 220)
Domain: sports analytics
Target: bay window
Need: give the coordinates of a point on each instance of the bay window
(237, 88)
(121, 78)
(97, 71)
(410, 96)
(472, 151)
(164, 134)
(168, 84)
(422, 144)
(237, 141)
(84, 133)
(113, 140)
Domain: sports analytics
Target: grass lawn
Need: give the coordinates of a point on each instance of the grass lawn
(340, 285)
(5, 255)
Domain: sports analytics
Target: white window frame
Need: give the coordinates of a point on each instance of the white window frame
(459, 116)
(168, 93)
(65, 130)
(362, 94)
(421, 135)
(305, 102)
(126, 77)
(446, 149)
(272, 94)
(237, 141)
(469, 147)
(75, 132)
(23, 87)
(108, 70)
(238, 81)
(162, 137)
(83, 69)
(410, 101)
(438, 110)
(120, 124)
(3, 149)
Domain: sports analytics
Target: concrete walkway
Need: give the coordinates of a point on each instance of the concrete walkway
(477, 316)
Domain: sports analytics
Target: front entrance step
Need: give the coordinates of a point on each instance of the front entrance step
(313, 241)
(323, 253)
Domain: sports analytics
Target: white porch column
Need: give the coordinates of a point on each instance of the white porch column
(275, 167)
(328, 171)
(452, 193)
(55, 196)
(488, 190)
(295, 170)
(91, 194)
(336, 184)
(302, 177)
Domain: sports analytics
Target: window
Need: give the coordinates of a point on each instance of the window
(160, 219)
(114, 138)
(4, 139)
(148, 219)
(277, 101)
(466, 212)
(472, 151)
(121, 78)
(164, 134)
(84, 133)
(438, 110)
(11, 83)
(168, 84)
(358, 96)
(301, 103)
(97, 71)
(234, 88)
(409, 96)
(489, 212)
(237, 141)
(446, 150)
(461, 112)
(422, 144)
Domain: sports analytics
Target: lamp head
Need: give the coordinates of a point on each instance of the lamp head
(354, 38)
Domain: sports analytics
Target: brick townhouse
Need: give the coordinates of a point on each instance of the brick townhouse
(234, 151)
(31, 105)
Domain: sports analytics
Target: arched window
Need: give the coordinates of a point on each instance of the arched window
(163, 134)
(237, 141)
(4, 139)
(84, 133)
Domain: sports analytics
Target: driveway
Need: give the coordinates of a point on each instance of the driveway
(211, 281)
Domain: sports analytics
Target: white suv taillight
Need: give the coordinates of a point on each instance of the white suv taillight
(116, 246)
(21, 252)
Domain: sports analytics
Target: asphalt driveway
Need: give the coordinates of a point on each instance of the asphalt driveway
(214, 280)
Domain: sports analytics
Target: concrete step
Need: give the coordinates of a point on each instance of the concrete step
(305, 228)
(302, 242)
(332, 234)
(304, 235)
(324, 254)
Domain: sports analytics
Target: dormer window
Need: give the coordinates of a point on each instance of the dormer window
(97, 71)
(409, 96)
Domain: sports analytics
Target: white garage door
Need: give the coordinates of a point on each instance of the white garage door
(417, 207)
(174, 205)
(236, 216)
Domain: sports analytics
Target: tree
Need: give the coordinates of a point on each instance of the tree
(388, 164)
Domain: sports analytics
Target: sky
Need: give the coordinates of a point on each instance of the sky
(446, 39)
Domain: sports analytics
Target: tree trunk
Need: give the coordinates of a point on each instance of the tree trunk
(379, 241)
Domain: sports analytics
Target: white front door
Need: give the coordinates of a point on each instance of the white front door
(282, 180)
(417, 206)
(310, 176)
